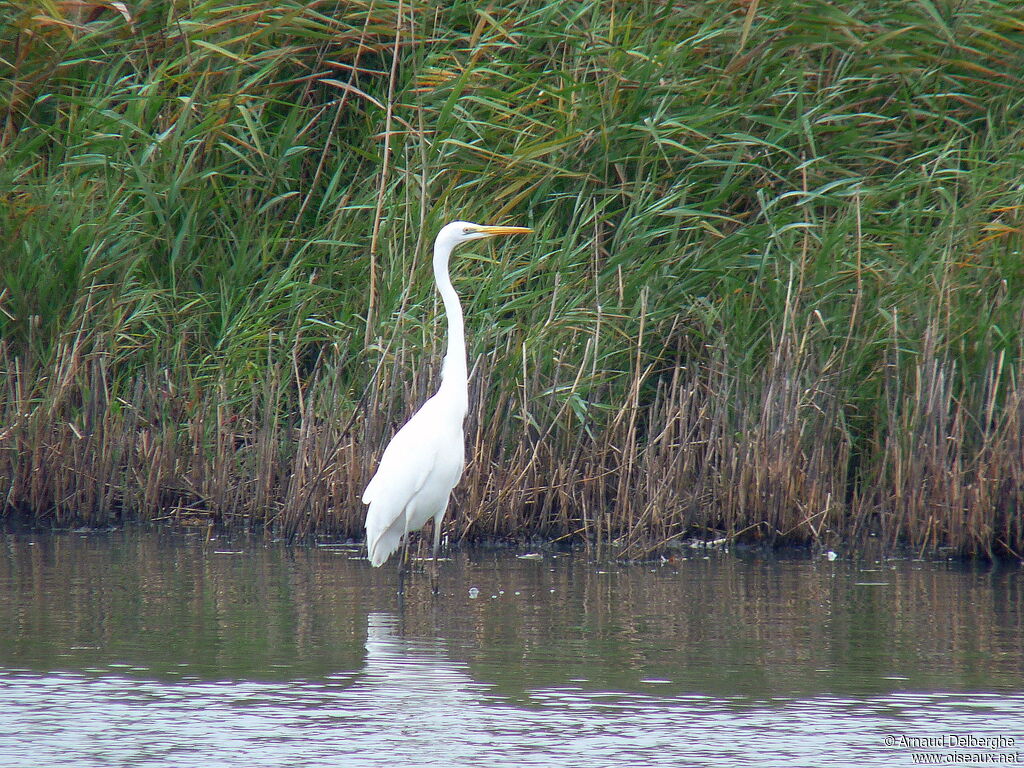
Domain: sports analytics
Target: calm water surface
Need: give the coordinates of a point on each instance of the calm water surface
(155, 649)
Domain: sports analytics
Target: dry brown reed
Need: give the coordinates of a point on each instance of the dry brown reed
(694, 451)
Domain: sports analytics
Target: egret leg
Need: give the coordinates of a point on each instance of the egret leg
(437, 542)
(403, 566)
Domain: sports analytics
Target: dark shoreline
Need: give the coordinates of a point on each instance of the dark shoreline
(687, 548)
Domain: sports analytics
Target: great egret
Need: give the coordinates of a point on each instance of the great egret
(424, 460)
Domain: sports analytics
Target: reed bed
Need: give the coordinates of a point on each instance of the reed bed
(774, 291)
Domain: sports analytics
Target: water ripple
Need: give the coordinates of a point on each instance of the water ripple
(411, 705)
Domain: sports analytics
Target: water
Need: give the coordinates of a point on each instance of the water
(152, 649)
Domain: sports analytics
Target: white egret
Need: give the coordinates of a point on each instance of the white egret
(424, 460)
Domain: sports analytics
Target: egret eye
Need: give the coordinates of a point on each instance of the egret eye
(467, 230)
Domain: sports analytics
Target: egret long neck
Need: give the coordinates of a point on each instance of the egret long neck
(454, 377)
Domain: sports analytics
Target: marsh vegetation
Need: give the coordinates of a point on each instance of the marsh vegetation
(774, 291)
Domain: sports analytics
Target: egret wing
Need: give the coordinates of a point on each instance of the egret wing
(404, 470)
(405, 465)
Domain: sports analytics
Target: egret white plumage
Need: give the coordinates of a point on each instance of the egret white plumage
(424, 460)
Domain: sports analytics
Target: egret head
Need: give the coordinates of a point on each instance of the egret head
(463, 231)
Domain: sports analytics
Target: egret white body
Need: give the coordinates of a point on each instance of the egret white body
(424, 460)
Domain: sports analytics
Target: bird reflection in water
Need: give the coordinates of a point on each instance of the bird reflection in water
(415, 677)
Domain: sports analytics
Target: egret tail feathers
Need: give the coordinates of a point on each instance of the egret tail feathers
(382, 544)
